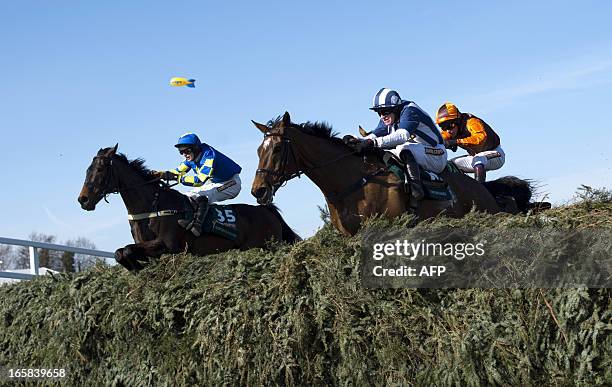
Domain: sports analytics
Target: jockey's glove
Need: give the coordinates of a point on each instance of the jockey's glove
(450, 144)
(363, 145)
(350, 140)
(167, 175)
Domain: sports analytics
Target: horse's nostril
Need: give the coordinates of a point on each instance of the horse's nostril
(83, 199)
(259, 192)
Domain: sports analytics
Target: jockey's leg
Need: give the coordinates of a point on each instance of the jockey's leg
(464, 163)
(487, 161)
(212, 193)
(187, 223)
(412, 168)
(200, 215)
(199, 201)
(480, 174)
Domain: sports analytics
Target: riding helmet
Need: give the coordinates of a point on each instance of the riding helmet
(447, 112)
(188, 140)
(385, 99)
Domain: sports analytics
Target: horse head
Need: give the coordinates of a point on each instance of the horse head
(277, 161)
(98, 179)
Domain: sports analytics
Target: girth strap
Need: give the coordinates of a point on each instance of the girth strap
(148, 215)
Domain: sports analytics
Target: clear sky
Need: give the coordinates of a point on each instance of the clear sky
(81, 75)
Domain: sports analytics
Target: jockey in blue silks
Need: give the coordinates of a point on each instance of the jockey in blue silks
(407, 131)
(216, 177)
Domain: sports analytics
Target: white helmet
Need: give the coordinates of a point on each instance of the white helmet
(386, 99)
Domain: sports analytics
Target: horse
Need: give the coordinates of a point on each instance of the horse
(358, 186)
(154, 208)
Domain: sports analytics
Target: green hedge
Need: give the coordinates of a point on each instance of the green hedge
(298, 315)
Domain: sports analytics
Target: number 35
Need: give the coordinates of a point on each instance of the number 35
(226, 216)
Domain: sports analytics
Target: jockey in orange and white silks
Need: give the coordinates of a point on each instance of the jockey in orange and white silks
(409, 132)
(471, 133)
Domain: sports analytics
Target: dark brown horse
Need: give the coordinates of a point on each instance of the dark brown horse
(355, 186)
(154, 209)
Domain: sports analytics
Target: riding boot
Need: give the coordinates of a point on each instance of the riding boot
(188, 223)
(480, 173)
(414, 175)
(200, 215)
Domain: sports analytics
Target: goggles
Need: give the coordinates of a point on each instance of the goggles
(384, 112)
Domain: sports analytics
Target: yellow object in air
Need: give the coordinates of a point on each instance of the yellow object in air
(178, 81)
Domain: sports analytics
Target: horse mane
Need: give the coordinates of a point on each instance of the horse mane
(319, 129)
(137, 164)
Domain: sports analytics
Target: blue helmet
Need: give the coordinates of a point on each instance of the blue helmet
(188, 140)
(386, 99)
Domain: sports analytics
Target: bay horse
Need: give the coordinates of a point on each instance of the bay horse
(154, 208)
(356, 186)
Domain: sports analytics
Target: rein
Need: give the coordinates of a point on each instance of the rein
(109, 177)
(286, 150)
(108, 163)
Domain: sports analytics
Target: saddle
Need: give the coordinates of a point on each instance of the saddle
(220, 220)
(433, 184)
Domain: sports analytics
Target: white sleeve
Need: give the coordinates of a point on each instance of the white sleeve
(400, 136)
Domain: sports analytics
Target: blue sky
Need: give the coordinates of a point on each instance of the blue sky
(78, 76)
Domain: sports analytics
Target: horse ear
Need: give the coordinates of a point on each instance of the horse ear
(286, 120)
(112, 151)
(263, 128)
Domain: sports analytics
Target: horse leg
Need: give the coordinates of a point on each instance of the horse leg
(126, 261)
(130, 255)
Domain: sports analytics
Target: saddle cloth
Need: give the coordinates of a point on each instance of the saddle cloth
(434, 186)
(220, 220)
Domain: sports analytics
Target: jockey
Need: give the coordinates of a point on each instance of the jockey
(409, 133)
(475, 136)
(216, 177)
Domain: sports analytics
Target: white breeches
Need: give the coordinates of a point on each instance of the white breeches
(432, 159)
(492, 160)
(218, 192)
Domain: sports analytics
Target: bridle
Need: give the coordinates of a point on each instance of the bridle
(288, 151)
(109, 188)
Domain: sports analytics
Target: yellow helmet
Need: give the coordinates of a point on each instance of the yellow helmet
(447, 112)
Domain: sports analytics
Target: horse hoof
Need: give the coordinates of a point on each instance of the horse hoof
(128, 251)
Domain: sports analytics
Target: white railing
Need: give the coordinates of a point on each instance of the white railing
(34, 263)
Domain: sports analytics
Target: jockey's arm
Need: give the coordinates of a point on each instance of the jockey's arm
(201, 177)
(478, 135)
(180, 170)
(391, 140)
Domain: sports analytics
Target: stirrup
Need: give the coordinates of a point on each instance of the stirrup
(196, 230)
(186, 224)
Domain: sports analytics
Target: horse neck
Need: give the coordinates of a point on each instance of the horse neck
(137, 196)
(322, 161)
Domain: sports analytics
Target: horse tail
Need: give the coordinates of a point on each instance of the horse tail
(521, 190)
(288, 235)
